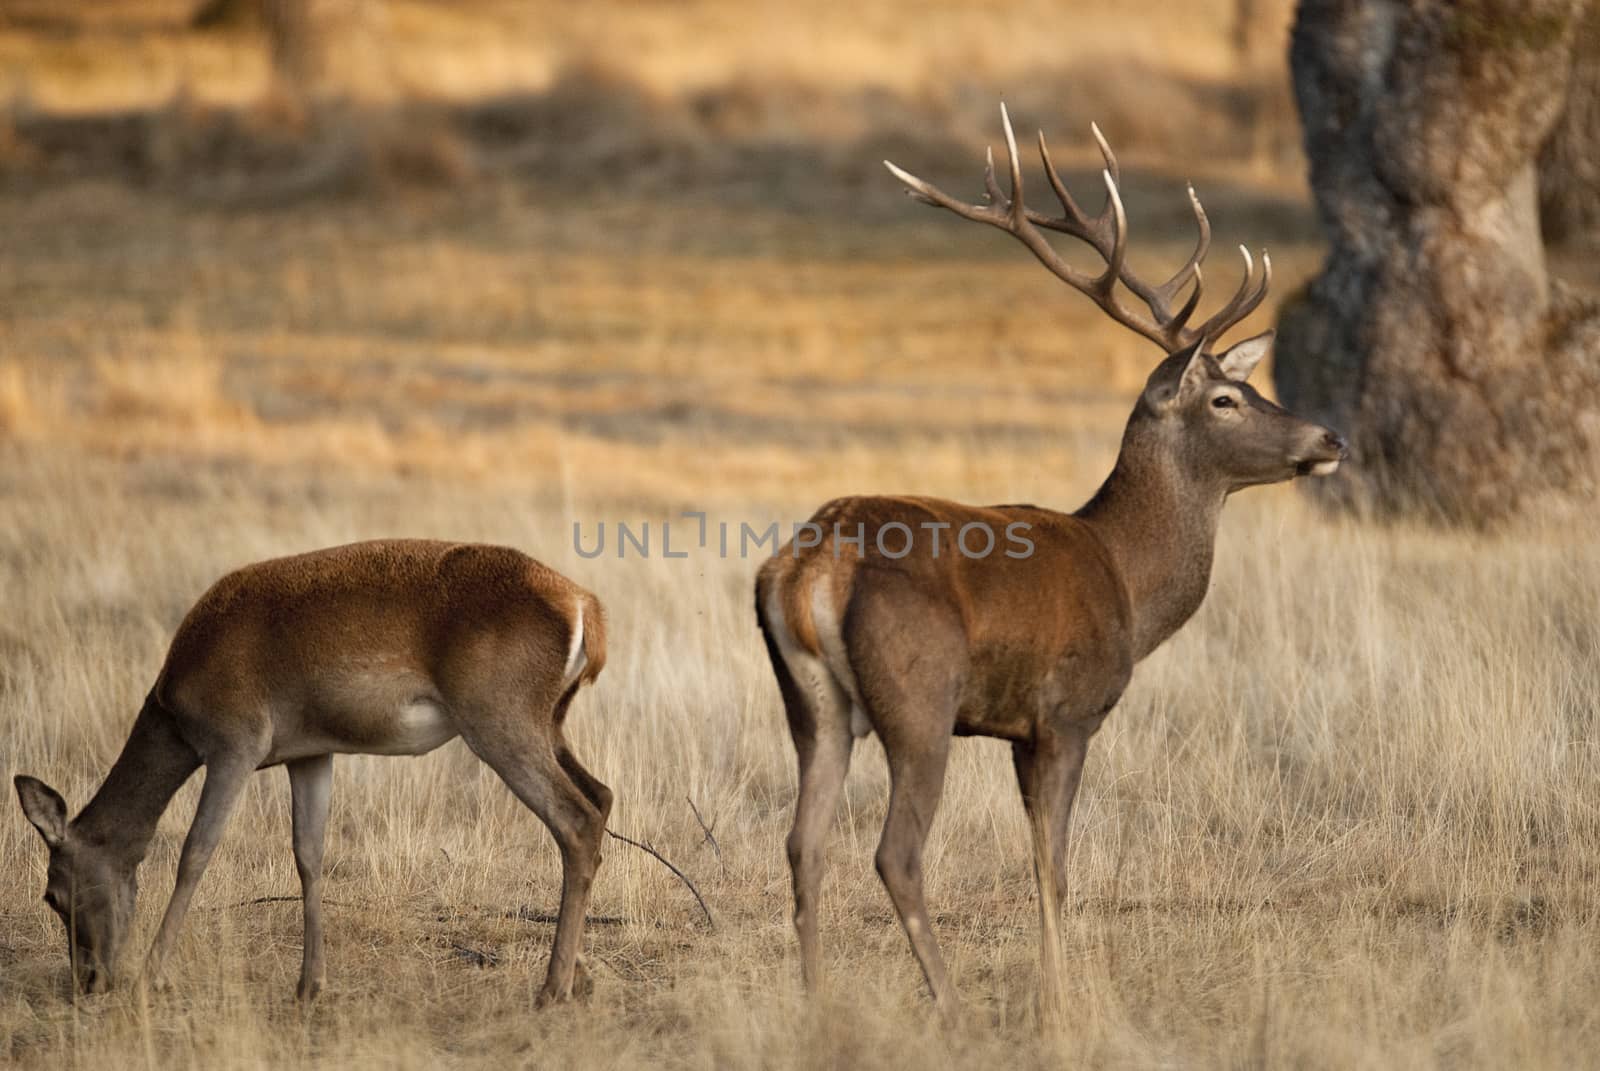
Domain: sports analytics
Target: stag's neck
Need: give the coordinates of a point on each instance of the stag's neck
(1160, 527)
(154, 764)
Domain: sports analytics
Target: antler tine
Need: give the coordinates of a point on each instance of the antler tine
(1069, 205)
(1097, 230)
(1174, 286)
(1175, 327)
(1106, 234)
(1119, 234)
(1261, 291)
(929, 194)
(1105, 231)
(1019, 213)
(1105, 151)
(991, 188)
(1114, 170)
(1243, 302)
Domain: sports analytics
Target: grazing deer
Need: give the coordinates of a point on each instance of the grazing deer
(890, 630)
(383, 648)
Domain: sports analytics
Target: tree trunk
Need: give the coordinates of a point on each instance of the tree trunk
(294, 43)
(1569, 164)
(1467, 380)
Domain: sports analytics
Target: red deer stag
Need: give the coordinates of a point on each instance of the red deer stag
(381, 648)
(919, 641)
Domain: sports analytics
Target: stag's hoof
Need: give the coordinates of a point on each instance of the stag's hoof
(582, 983)
(308, 990)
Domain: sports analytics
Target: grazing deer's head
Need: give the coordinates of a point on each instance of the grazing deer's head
(92, 889)
(1196, 404)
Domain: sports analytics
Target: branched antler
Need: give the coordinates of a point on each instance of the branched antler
(1107, 234)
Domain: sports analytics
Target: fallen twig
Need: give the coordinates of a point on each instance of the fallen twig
(528, 914)
(280, 900)
(644, 847)
(710, 837)
(477, 956)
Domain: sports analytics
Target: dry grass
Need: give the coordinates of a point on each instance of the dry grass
(1346, 818)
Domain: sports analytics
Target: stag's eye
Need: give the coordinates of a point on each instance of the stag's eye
(1223, 401)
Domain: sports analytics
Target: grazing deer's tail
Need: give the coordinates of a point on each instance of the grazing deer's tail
(594, 638)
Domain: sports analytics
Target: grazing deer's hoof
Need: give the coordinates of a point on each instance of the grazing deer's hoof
(308, 990)
(582, 983)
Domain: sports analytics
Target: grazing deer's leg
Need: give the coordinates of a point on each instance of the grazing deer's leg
(593, 789)
(225, 779)
(599, 795)
(590, 785)
(916, 773)
(526, 759)
(309, 782)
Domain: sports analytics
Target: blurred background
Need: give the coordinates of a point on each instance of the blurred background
(497, 239)
(277, 274)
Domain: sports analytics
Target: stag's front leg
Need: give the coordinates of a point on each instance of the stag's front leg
(309, 782)
(1048, 771)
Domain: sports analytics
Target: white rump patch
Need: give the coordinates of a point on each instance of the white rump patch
(830, 637)
(576, 659)
(829, 698)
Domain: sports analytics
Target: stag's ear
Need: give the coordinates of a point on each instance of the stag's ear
(1242, 357)
(44, 807)
(1177, 378)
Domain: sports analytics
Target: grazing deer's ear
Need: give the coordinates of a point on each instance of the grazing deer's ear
(1177, 377)
(44, 807)
(1242, 357)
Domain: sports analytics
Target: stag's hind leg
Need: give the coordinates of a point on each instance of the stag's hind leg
(523, 750)
(819, 721)
(909, 683)
(824, 757)
(916, 775)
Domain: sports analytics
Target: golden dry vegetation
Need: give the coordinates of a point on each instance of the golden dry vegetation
(1347, 817)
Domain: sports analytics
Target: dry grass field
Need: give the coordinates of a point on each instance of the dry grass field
(1350, 816)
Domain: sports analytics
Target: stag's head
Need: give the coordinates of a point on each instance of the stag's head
(1197, 403)
(89, 888)
(1220, 429)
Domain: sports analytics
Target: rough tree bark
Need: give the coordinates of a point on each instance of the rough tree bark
(1569, 163)
(1467, 380)
(294, 39)
(294, 44)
